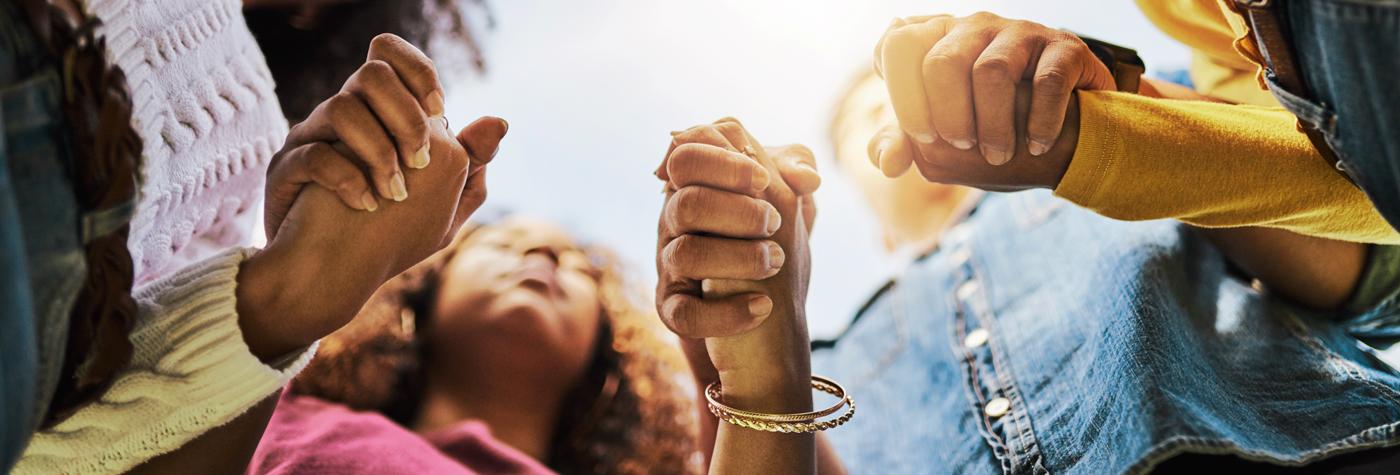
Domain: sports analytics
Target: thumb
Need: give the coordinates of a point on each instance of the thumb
(482, 138)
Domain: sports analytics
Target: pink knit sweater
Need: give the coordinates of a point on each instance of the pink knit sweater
(205, 108)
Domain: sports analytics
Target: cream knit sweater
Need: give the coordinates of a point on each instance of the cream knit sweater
(205, 109)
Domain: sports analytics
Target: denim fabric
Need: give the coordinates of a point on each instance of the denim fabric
(1349, 51)
(39, 212)
(1116, 344)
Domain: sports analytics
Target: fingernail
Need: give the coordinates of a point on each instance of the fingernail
(435, 106)
(368, 201)
(879, 154)
(760, 306)
(396, 186)
(994, 155)
(775, 256)
(898, 21)
(962, 144)
(505, 126)
(774, 221)
(420, 158)
(759, 180)
(1038, 148)
(924, 138)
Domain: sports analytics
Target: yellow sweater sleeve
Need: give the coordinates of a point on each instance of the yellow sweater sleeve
(1211, 165)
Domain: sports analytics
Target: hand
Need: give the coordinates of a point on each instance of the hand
(732, 257)
(893, 151)
(955, 79)
(327, 260)
(381, 116)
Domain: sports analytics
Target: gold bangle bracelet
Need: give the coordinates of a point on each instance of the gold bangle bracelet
(788, 423)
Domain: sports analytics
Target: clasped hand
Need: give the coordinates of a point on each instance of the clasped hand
(732, 255)
(982, 90)
(330, 243)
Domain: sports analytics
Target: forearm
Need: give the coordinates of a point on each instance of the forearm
(1211, 165)
(742, 450)
(293, 293)
(223, 450)
(1313, 272)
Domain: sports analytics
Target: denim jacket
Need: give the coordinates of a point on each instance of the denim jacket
(1043, 338)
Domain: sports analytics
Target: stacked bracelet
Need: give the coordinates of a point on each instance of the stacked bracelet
(798, 423)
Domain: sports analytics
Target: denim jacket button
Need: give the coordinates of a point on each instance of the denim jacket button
(966, 290)
(997, 407)
(976, 338)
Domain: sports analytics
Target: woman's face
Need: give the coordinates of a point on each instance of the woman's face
(519, 295)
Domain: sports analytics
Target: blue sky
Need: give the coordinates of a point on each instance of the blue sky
(592, 88)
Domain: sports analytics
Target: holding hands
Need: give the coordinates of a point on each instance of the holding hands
(732, 256)
(982, 85)
(376, 137)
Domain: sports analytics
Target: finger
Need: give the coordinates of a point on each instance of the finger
(414, 67)
(947, 73)
(694, 164)
(896, 23)
(380, 87)
(320, 164)
(707, 257)
(903, 57)
(888, 154)
(354, 124)
(1062, 68)
(798, 167)
(701, 134)
(482, 138)
(693, 317)
(473, 196)
(994, 78)
(734, 133)
(697, 209)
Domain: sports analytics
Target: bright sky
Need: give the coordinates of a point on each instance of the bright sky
(591, 90)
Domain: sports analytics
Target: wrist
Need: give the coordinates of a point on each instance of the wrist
(288, 300)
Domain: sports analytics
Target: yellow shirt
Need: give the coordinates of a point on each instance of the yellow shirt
(1208, 164)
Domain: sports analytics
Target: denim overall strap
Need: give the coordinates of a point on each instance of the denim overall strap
(40, 254)
(1269, 24)
(1347, 51)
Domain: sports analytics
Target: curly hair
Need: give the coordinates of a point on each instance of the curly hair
(631, 414)
(312, 54)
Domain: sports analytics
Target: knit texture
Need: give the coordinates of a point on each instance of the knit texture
(204, 106)
(191, 372)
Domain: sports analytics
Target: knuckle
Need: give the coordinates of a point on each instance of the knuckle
(1050, 80)
(992, 68)
(386, 40)
(940, 59)
(688, 207)
(338, 104)
(983, 17)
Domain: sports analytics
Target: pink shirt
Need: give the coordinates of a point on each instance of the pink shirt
(310, 435)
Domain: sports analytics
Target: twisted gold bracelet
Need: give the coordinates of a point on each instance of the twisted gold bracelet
(799, 423)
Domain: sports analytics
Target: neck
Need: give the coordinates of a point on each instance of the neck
(520, 415)
(922, 226)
